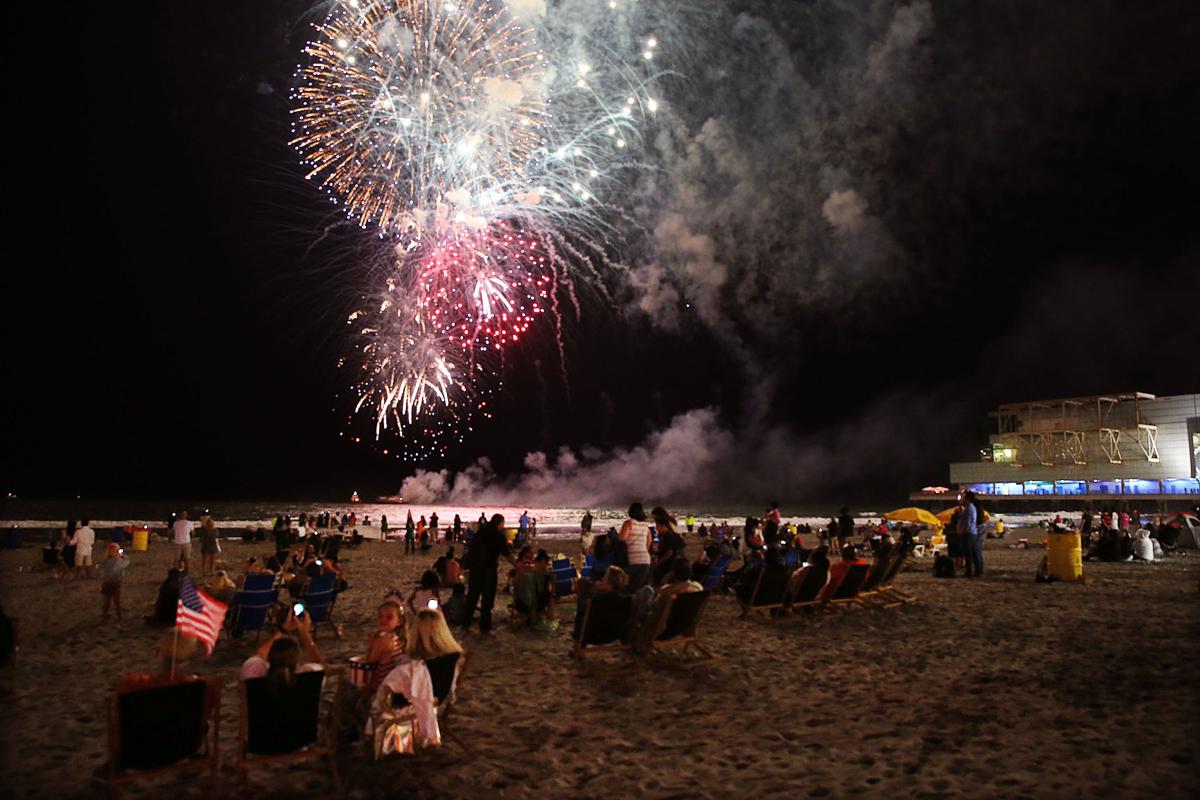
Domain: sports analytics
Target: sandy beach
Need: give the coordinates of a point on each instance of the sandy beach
(984, 688)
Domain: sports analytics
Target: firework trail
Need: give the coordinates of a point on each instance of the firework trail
(482, 141)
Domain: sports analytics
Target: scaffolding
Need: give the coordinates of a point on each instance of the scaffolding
(1057, 432)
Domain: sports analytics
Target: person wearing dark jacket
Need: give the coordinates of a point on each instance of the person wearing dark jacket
(483, 558)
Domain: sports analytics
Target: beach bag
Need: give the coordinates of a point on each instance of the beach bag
(943, 566)
(395, 735)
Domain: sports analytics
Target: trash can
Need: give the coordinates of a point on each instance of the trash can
(1064, 556)
(141, 539)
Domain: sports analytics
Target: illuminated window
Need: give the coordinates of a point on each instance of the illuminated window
(1070, 487)
(1010, 488)
(1039, 487)
(1003, 454)
(1104, 487)
(1136, 486)
(1181, 486)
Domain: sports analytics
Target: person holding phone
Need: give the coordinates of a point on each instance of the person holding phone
(291, 647)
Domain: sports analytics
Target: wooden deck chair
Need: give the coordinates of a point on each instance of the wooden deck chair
(769, 592)
(805, 587)
(679, 624)
(846, 593)
(285, 726)
(563, 573)
(161, 729)
(442, 673)
(887, 590)
(319, 599)
(716, 573)
(250, 611)
(868, 593)
(605, 625)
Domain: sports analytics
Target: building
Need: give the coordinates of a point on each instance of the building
(1119, 448)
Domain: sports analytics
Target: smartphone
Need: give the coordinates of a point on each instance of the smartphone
(298, 610)
(319, 563)
(120, 551)
(432, 604)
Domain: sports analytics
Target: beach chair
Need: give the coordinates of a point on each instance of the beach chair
(563, 573)
(284, 725)
(442, 671)
(679, 624)
(258, 582)
(605, 626)
(807, 591)
(161, 729)
(769, 592)
(588, 563)
(791, 559)
(319, 599)
(716, 573)
(868, 593)
(846, 593)
(250, 611)
(886, 589)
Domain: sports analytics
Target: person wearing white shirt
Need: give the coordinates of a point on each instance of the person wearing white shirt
(182, 531)
(83, 540)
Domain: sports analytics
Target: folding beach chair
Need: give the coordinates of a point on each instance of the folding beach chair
(563, 573)
(588, 563)
(319, 599)
(258, 582)
(846, 593)
(886, 588)
(605, 625)
(442, 673)
(283, 724)
(716, 573)
(791, 559)
(250, 611)
(680, 622)
(161, 729)
(769, 592)
(868, 593)
(805, 589)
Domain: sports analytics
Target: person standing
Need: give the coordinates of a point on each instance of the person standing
(845, 524)
(83, 540)
(182, 536)
(771, 524)
(456, 532)
(968, 530)
(483, 558)
(410, 535)
(209, 546)
(585, 532)
(433, 527)
(523, 527)
(690, 522)
(635, 535)
(112, 572)
(383, 527)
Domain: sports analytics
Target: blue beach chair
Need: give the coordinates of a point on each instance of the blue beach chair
(261, 582)
(251, 611)
(563, 573)
(716, 572)
(319, 600)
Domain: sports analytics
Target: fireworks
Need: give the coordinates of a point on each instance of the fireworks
(479, 139)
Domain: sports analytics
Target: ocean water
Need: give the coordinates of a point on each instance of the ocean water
(551, 521)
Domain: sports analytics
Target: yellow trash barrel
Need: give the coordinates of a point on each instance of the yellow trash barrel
(1064, 556)
(141, 539)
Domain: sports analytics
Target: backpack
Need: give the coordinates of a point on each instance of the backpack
(943, 566)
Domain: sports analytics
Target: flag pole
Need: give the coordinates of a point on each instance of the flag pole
(174, 649)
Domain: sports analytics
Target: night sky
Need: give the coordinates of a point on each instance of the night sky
(176, 292)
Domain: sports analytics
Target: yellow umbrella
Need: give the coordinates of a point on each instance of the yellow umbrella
(913, 514)
(945, 516)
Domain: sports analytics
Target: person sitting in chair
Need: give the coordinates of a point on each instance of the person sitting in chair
(167, 600)
(284, 650)
(599, 595)
(173, 652)
(426, 591)
(837, 572)
(429, 638)
(533, 591)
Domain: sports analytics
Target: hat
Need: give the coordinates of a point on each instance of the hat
(114, 549)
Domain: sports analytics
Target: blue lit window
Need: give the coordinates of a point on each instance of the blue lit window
(1010, 488)
(1104, 487)
(1070, 487)
(1039, 487)
(982, 488)
(1138, 486)
(1181, 486)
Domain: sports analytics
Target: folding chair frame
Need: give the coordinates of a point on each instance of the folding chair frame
(319, 749)
(116, 777)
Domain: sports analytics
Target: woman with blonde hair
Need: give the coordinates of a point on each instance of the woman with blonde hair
(429, 637)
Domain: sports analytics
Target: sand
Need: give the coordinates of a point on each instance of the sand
(997, 687)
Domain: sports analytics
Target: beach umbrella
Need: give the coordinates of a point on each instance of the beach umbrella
(913, 514)
(945, 516)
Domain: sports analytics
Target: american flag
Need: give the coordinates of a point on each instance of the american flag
(197, 614)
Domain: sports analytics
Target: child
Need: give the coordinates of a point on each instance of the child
(112, 572)
(428, 590)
